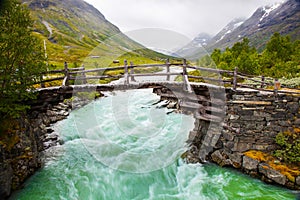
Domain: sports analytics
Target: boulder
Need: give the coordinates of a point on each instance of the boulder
(6, 174)
(221, 160)
(272, 174)
(250, 163)
(298, 180)
(236, 159)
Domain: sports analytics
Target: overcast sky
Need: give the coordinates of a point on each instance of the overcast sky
(188, 17)
(170, 24)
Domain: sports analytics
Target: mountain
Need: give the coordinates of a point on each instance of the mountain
(281, 17)
(199, 45)
(75, 31)
(227, 30)
(193, 47)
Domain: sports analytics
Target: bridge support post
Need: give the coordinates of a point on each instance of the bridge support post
(42, 83)
(262, 82)
(168, 69)
(67, 75)
(126, 77)
(276, 87)
(234, 84)
(84, 75)
(132, 72)
(186, 83)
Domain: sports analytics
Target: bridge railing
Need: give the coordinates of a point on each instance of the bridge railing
(232, 79)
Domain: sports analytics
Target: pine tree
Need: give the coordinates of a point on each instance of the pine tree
(21, 58)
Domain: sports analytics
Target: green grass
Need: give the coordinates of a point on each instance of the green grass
(78, 35)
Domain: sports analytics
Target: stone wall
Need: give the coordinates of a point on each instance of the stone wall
(20, 153)
(252, 121)
(258, 117)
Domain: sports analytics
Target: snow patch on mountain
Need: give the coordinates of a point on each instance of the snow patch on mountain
(229, 28)
(268, 9)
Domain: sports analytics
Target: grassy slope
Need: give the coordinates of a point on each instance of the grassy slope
(79, 31)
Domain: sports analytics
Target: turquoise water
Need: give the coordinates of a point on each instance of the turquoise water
(124, 147)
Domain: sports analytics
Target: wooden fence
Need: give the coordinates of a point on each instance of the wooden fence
(226, 78)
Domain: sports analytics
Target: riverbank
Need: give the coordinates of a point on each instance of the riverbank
(23, 141)
(232, 153)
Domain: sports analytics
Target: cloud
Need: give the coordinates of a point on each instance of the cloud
(170, 24)
(188, 17)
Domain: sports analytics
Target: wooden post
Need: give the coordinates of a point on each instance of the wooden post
(168, 69)
(234, 84)
(185, 77)
(67, 75)
(42, 83)
(262, 82)
(276, 86)
(132, 72)
(126, 77)
(184, 68)
(84, 75)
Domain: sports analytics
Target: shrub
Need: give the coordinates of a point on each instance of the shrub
(289, 147)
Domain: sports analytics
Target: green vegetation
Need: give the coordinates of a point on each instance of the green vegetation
(279, 59)
(77, 33)
(8, 133)
(289, 147)
(21, 58)
(291, 171)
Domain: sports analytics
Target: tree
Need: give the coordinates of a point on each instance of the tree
(21, 58)
(281, 57)
(216, 56)
(279, 47)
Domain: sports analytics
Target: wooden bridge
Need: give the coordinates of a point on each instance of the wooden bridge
(204, 94)
(215, 77)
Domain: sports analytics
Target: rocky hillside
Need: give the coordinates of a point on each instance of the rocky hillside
(281, 17)
(194, 46)
(73, 29)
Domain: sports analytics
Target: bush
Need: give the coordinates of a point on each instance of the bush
(289, 147)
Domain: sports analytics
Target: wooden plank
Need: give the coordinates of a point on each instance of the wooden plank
(98, 70)
(149, 65)
(94, 77)
(209, 79)
(256, 81)
(52, 79)
(210, 70)
(54, 71)
(158, 74)
(76, 69)
(266, 90)
(157, 65)
(252, 102)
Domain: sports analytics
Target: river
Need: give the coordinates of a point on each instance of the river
(126, 147)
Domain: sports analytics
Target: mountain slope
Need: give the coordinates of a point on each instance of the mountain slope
(281, 17)
(194, 46)
(73, 30)
(199, 46)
